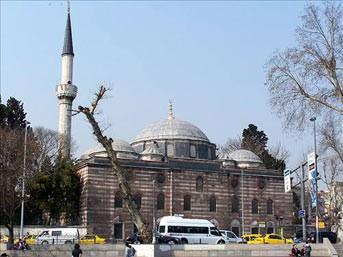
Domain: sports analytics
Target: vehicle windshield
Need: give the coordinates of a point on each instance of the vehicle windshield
(44, 233)
(214, 231)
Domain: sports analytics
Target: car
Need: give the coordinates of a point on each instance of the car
(135, 238)
(3, 238)
(167, 240)
(298, 237)
(232, 238)
(332, 236)
(250, 237)
(272, 239)
(30, 239)
(92, 239)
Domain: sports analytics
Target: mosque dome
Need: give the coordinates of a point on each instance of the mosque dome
(245, 159)
(175, 138)
(171, 129)
(123, 149)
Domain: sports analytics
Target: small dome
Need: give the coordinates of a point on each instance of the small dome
(243, 155)
(171, 129)
(152, 150)
(122, 148)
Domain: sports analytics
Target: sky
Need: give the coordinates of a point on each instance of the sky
(208, 57)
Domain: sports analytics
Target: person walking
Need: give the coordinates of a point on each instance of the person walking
(77, 252)
(129, 250)
(295, 251)
(307, 249)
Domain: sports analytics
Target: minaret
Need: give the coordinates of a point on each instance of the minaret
(66, 91)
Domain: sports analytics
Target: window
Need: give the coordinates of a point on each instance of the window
(193, 151)
(170, 149)
(187, 203)
(118, 230)
(213, 203)
(235, 204)
(162, 229)
(254, 206)
(214, 231)
(270, 230)
(160, 201)
(137, 198)
(118, 200)
(270, 206)
(199, 184)
(230, 235)
(56, 233)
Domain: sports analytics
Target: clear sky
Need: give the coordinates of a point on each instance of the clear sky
(208, 57)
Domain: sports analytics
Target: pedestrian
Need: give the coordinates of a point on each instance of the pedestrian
(77, 252)
(129, 250)
(295, 251)
(307, 249)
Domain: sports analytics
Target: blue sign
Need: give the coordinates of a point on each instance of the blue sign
(301, 213)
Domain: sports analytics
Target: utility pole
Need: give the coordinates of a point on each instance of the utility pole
(23, 185)
(153, 213)
(302, 202)
(242, 196)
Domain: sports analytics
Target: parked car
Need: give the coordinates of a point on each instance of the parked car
(167, 240)
(135, 238)
(332, 236)
(250, 237)
(92, 239)
(58, 236)
(272, 239)
(30, 239)
(231, 237)
(298, 237)
(3, 238)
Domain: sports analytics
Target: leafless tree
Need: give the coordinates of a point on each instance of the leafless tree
(307, 80)
(11, 172)
(118, 171)
(232, 144)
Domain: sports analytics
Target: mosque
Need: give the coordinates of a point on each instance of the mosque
(173, 168)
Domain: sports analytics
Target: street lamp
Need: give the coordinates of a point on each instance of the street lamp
(23, 183)
(313, 119)
(242, 196)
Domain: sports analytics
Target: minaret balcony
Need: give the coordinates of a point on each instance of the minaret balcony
(66, 90)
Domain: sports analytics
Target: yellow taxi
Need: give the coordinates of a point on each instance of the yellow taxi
(251, 237)
(30, 239)
(92, 239)
(272, 239)
(3, 238)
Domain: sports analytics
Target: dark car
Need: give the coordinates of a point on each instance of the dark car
(134, 239)
(332, 236)
(298, 236)
(167, 240)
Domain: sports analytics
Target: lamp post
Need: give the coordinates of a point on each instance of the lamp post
(242, 196)
(313, 119)
(153, 213)
(23, 184)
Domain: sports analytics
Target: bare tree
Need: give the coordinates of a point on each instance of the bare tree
(11, 171)
(232, 144)
(118, 171)
(307, 80)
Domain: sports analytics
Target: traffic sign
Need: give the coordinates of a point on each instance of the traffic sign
(287, 180)
(301, 213)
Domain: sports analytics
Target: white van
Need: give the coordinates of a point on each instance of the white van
(58, 236)
(190, 231)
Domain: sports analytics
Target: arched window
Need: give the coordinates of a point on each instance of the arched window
(187, 203)
(160, 201)
(213, 203)
(254, 206)
(270, 227)
(270, 206)
(118, 200)
(235, 204)
(137, 198)
(199, 184)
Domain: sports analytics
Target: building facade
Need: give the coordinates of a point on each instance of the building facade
(173, 169)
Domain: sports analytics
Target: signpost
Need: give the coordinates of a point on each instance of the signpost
(287, 180)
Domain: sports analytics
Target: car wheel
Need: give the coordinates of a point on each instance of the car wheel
(221, 242)
(184, 241)
(137, 242)
(171, 242)
(45, 243)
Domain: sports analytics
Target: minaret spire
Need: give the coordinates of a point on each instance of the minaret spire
(66, 91)
(170, 113)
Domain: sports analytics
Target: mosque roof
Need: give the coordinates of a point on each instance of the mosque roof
(243, 155)
(171, 128)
